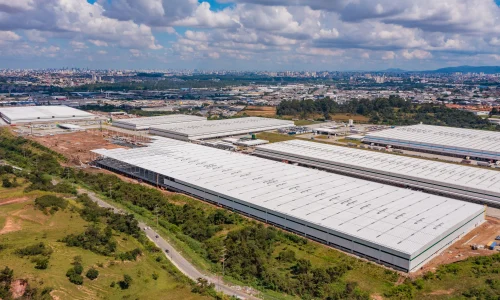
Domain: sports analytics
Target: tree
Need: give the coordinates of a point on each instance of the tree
(92, 273)
(125, 283)
(6, 183)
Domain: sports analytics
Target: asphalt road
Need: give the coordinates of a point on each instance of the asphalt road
(174, 256)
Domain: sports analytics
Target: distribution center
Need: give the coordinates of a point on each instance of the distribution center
(40, 114)
(473, 184)
(146, 123)
(397, 227)
(218, 128)
(459, 142)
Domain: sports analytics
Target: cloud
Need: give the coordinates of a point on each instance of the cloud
(416, 54)
(99, 43)
(70, 19)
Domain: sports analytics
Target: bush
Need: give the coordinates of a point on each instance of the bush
(41, 263)
(155, 276)
(286, 255)
(6, 183)
(130, 255)
(52, 202)
(78, 269)
(125, 283)
(92, 274)
(37, 249)
(74, 277)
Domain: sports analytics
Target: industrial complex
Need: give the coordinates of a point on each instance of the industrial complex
(146, 123)
(40, 114)
(397, 227)
(459, 142)
(218, 128)
(473, 184)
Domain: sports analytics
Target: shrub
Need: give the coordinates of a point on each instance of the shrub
(49, 201)
(112, 284)
(78, 269)
(74, 277)
(129, 255)
(6, 183)
(37, 249)
(125, 283)
(41, 263)
(155, 276)
(286, 255)
(92, 274)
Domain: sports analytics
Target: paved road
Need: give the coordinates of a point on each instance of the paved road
(173, 255)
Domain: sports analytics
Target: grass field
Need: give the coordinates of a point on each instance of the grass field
(259, 111)
(274, 137)
(32, 227)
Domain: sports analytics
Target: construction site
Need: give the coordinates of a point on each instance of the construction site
(76, 146)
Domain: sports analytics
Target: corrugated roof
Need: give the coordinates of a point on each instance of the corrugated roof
(439, 136)
(42, 113)
(445, 174)
(223, 126)
(159, 120)
(380, 214)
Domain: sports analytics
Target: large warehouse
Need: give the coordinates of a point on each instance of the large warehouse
(474, 184)
(35, 114)
(146, 123)
(397, 227)
(218, 128)
(479, 144)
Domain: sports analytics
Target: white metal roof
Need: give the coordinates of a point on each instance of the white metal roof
(34, 113)
(446, 174)
(147, 122)
(400, 219)
(447, 138)
(223, 127)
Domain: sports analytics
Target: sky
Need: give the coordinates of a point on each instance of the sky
(253, 35)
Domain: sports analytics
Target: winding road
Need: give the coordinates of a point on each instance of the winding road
(173, 255)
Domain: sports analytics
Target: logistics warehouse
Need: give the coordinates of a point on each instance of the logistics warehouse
(397, 227)
(459, 142)
(473, 184)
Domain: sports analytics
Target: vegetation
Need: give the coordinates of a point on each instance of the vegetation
(392, 111)
(92, 274)
(51, 202)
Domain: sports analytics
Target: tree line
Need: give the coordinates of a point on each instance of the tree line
(391, 111)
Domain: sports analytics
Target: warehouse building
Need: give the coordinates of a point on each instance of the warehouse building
(393, 226)
(479, 185)
(218, 128)
(458, 142)
(43, 114)
(146, 123)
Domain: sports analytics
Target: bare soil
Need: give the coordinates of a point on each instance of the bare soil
(13, 200)
(462, 249)
(18, 287)
(76, 146)
(11, 225)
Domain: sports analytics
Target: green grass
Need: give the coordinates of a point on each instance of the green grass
(37, 227)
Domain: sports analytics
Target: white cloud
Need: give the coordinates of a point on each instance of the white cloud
(416, 54)
(78, 45)
(99, 43)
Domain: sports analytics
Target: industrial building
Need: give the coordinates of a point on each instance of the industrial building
(218, 128)
(43, 114)
(459, 142)
(146, 123)
(453, 180)
(393, 226)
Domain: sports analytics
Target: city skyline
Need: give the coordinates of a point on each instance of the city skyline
(249, 35)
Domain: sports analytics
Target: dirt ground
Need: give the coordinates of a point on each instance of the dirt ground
(11, 225)
(76, 146)
(256, 111)
(462, 250)
(13, 200)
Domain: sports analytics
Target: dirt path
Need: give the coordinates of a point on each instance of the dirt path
(11, 225)
(15, 200)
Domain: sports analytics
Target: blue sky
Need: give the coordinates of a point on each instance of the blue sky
(250, 34)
